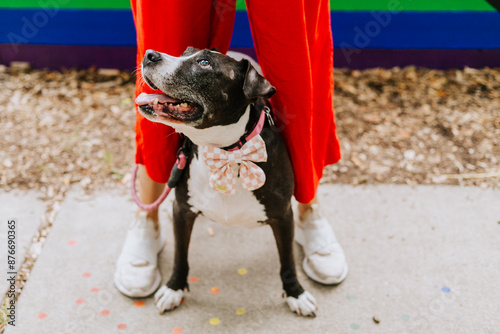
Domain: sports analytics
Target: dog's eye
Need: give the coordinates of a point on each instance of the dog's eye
(204, 63)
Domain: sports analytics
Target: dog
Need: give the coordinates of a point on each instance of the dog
(219, 102)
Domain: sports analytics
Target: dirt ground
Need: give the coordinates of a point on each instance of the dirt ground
(413, 126)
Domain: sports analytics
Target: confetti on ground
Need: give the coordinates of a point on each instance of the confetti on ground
(122, 326)
(352, 297)
(42, 315)
(139, 303)
(405, 317)
(86, 275)
(240, 311)
(80, 301)
(210, 231)
(214, 290)
(214, 321)
(193, 279)
(94, 289)
(105, 312)
(177, 330)
(355, 326)
(72, 242)
(445, 289)
(242, 271)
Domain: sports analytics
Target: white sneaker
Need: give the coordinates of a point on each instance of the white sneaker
(137, 273)
(324, 259)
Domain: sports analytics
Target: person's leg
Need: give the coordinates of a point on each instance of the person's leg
(303, 208)
(163, 26)
(294, 46)
(150, 191)
(169, 27)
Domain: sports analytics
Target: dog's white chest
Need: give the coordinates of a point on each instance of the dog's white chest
(241, 209)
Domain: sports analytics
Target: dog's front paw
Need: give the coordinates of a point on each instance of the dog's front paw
(304, 305)
(167, 299)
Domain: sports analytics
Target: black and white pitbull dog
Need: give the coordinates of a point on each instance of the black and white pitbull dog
(217, 101)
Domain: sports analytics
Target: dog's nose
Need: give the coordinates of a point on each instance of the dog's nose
(151, 57)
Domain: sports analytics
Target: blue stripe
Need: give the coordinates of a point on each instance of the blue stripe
(242, 36)
(404, 30)
(68, 27)
(417, 30)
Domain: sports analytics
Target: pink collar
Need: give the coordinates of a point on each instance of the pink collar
(256, 131)
(182, 158)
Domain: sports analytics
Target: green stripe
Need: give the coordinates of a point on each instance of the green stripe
(347, 5)
(411, 5)
(240, 5)
(73, 4)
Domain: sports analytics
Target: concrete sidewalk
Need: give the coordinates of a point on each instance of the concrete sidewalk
(27, 209)
(422, 260)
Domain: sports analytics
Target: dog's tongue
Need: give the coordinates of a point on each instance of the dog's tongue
(144, 98)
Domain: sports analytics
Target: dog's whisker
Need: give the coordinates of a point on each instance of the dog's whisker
(170, 134)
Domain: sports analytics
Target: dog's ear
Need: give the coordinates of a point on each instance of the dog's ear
(256, 85)
(214, 49)
(189, 50)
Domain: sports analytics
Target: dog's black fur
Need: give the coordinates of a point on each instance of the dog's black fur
(219, 96)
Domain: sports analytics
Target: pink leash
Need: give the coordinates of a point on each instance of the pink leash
(180, 164)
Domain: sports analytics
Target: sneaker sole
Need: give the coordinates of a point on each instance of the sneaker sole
(156, 284)
(299, 239)
(128, 293)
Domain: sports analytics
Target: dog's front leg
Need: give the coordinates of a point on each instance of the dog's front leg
(299, 300)
(170, 295)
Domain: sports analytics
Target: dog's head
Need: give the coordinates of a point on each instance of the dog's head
(202, 89)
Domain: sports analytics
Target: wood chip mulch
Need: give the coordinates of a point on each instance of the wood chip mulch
(407, 126)
(418, 126)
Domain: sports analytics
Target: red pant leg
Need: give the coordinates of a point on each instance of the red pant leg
(170, 27)
(293, 41)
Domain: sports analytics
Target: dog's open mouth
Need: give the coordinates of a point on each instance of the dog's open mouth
(162, 105)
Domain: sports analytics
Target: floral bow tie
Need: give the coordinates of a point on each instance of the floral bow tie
(221, 161)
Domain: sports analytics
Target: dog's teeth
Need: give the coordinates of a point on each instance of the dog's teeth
(155, 102)
(184, 105)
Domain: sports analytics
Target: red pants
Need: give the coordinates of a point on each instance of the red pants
(293, 41)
